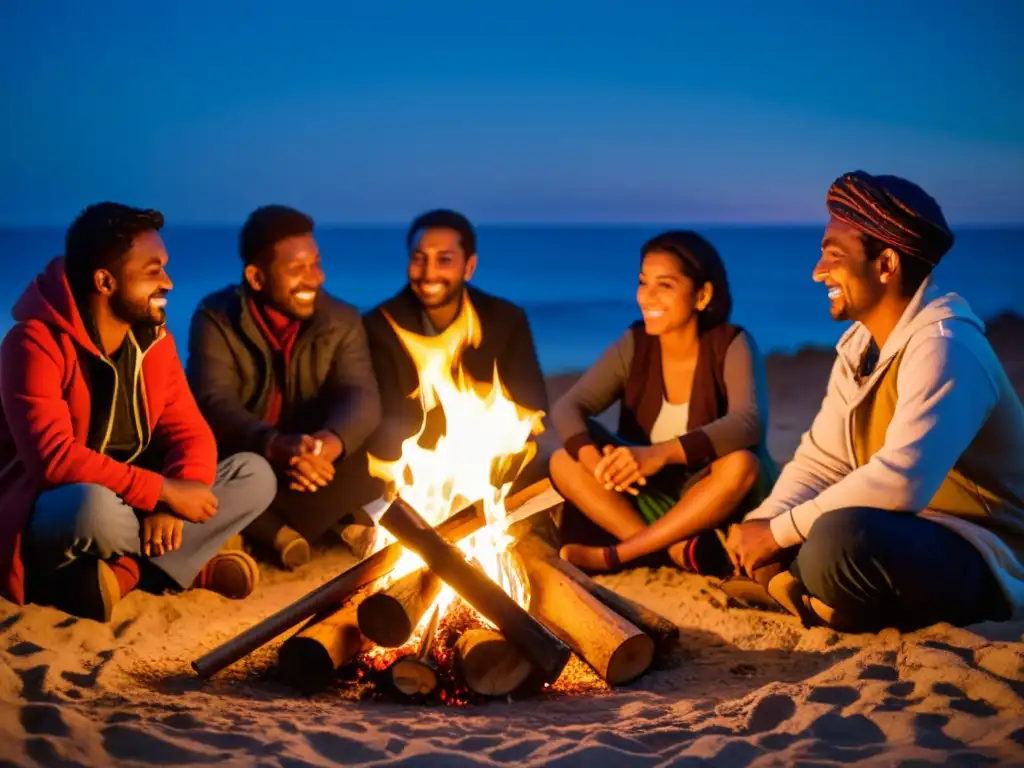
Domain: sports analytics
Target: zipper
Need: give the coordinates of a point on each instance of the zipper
(140, 355)
(113, 406)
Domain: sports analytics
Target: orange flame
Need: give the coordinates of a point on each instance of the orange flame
(484, 445)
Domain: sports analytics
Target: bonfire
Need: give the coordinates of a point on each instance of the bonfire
(457, 602)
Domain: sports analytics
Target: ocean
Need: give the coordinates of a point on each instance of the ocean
(577, 283)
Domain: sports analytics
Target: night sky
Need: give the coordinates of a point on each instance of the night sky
(513, 112)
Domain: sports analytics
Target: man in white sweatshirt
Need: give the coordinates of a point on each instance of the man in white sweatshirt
(904, 503)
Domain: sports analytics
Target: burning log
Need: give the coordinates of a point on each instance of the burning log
(489, 664)
(390, 616)
(617, 650)
(309, 659)
(416, 674)
(533, 550)
(545, 651)
(328, 596)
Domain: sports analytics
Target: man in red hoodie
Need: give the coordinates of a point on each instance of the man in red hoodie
(106, 463)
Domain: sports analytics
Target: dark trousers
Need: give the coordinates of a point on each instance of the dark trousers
(895, 569)
(312, 514)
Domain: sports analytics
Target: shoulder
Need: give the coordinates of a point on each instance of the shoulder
(223, 303)
(337, 312)
(28, 337)
(489, 305)
(951, 346)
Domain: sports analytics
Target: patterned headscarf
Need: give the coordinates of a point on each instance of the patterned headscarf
(893, 210)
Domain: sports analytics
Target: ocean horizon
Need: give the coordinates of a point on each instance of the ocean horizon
(577, 282)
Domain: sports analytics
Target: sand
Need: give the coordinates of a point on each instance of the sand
(745, 688)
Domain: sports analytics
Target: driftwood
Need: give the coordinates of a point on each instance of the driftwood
(617, 650)
(416, 674)
(545, 651)
(489, 664)
(327, 597)
(661, 630)
(390, 616)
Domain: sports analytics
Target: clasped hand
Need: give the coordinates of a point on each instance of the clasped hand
(307, 460)
(626, 468)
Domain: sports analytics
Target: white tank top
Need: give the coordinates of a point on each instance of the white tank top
(672, 421)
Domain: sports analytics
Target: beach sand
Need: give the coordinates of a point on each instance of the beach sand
(745, 688)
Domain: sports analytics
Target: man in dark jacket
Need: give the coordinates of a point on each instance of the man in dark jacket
(281, 368)
(442, 258)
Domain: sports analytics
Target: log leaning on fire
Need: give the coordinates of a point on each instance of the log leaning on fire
(664, 632)
(416, 674)
(545, 651)
(390, 616)
(489, 664)
(309, 658)
(617, 650)
(329, 596)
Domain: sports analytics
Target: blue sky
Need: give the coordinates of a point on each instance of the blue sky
(520, 112)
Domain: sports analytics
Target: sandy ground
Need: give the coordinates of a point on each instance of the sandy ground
(745, 688)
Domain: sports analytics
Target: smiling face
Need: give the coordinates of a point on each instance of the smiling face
(290, 277)
(855, 284)
(668, 299)
(138, 284)
(439, 267)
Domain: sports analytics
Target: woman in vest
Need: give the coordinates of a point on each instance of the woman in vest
(689, 456)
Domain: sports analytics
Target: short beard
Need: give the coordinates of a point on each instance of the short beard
(135, 315)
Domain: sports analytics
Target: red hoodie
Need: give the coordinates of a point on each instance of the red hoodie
(44, 420)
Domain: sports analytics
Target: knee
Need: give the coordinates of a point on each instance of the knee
(837, 538)
(91, 516)
(561, 465)
(252, 471)
(740, 469)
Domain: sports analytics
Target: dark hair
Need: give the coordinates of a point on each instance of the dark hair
(100, 236)
(442, 218)
(267, 226)
(700, 262)
(914, 270)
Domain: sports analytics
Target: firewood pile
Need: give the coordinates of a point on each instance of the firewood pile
(390, 635)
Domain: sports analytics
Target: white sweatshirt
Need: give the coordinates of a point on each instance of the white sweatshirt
(956, 414)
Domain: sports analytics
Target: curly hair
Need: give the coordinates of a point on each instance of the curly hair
(267, 226)
(699, 261)
(442, 218)
(100, 236)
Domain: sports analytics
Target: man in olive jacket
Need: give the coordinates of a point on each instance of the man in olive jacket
(442, 258)
(282, 369)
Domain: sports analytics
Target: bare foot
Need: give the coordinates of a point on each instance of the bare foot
(677, 553)
(586, 558)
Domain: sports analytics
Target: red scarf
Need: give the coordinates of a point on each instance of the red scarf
(280, 331)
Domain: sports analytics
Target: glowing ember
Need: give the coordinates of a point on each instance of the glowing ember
(485, 442)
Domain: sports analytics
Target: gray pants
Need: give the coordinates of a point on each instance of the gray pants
(85, 518)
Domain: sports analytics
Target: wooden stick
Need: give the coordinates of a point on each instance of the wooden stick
(617, 650)
(489, 664)
(661, 630)
(545, 651)
(416, 674)
(329, 595)
(309, 658)
(390, 616)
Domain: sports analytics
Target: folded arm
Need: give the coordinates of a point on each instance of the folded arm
(186, 440)
(356, 404)
(216, 380)
(601, 385)
(820, 460)
(743, 424)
